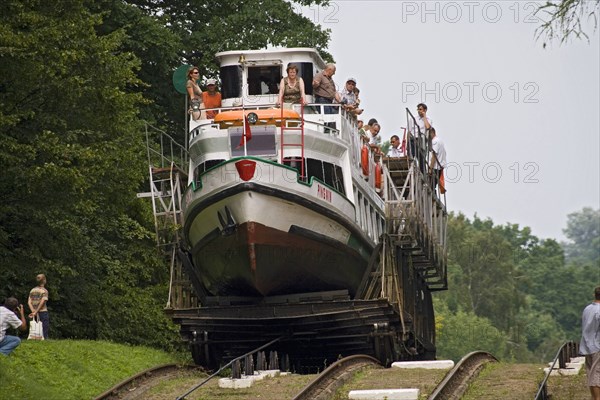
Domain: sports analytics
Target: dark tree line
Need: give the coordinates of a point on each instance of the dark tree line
(77, 79)
(514, 294)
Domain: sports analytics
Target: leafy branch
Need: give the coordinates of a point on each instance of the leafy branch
(566, 19)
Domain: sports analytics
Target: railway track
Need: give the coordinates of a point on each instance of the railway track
(328, 381)
(454, 385)
(128, 389)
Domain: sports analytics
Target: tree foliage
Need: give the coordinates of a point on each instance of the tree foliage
(461, 332)
(525, 287)
(77, 79)
(73, 158)
(167, 34)
(566, 19)
(583, 231)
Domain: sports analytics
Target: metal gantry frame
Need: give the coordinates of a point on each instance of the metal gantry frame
(416, 212)
(167, 166)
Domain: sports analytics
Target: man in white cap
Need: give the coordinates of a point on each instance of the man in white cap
(211, 98)
(349, 98)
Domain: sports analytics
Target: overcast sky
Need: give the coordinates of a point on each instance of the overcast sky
(521, 123)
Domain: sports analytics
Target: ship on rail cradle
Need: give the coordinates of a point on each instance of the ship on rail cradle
(290, 227)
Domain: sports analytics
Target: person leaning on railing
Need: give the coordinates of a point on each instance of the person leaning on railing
(291, 88)
(395, 148)
(350, 98)
(375, 139)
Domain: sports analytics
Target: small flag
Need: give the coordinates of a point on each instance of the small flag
(247, 132)
(404, 142)
(442, 183)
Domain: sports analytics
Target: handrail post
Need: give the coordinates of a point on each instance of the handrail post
(568, 349)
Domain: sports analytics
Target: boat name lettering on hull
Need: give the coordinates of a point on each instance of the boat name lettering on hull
(324, 193)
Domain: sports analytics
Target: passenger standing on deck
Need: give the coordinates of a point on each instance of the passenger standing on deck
(211, 98)
(194, 92)
(324, 88)
(423, 121)
(192, 87)
(362, 131)
(350, 98)
(375, 139)
(38, 297)
(366, 130)
(395, 149)
(8, 319)
(421, 135)
(437, 160)
(291, 88)
(589, 345)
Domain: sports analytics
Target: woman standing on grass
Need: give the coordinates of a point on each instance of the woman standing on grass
(38, 297)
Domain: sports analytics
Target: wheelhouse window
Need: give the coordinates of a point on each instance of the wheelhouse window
(203, 167)
(262, 142)
(231, 78)
(305, 71)
(264, 79)
(327, 173)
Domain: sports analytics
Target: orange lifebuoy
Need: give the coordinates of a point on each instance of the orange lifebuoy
(378, 175)
(238, 115)
(364, 160)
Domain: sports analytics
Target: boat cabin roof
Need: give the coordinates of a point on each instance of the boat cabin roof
(272, 56)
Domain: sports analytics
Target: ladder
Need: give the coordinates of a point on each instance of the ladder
(293, 159)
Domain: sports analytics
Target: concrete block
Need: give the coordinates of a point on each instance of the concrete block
(256, 377)
(242, 383)
(568, 371)
(384, 394)
(563, 371)
(435, 364)
(269, 372)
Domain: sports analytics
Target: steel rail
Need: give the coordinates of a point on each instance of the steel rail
(566, 351)
(227, 365)
(455, 382)
(334, 376)
(116, 390)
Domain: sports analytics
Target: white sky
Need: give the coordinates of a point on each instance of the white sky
(520, 123)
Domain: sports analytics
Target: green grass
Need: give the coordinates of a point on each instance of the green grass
(72, 369)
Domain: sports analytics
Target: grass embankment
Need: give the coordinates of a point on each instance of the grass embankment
(72, 369)
(521, 381)
(425, 380)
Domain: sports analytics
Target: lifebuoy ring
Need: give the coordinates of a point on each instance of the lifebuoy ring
(378, 176)
(364, 160)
